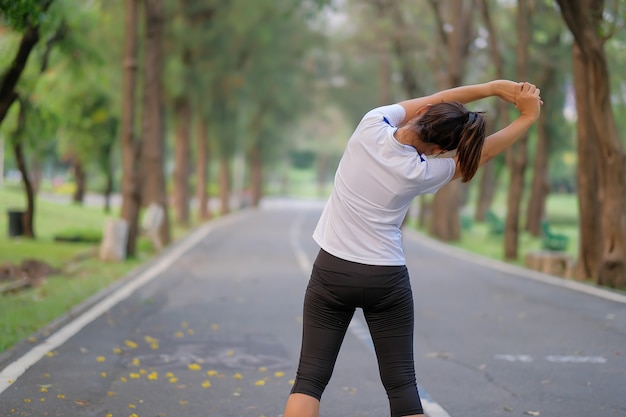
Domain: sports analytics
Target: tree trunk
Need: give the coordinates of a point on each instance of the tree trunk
(611, 176)
(108, 190)
(540, 187)
(28, 222)
(153, 123)
(18, 151)
(9, 79)
(322, 167)
(445, 223)
(551, 114)
(589, 247)
(517, 157)
(131, 146)
(584, 18)
(202, 179)
(256, 175)
(224, 181)
(489, 179)
(182, 148)
(80, 177)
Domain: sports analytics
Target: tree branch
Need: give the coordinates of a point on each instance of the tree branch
(58, 36)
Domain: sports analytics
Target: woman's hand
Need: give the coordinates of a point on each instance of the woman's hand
(528, 101)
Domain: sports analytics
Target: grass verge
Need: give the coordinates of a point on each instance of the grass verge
(82, 273)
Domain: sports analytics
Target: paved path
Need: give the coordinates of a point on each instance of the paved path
(212, 328)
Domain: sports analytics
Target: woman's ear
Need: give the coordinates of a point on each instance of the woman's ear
(423, 110)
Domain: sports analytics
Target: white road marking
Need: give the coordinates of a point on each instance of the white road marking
(356, 327)
(16, 369)
(552, 358)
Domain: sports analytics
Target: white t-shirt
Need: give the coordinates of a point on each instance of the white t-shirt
(375, 183)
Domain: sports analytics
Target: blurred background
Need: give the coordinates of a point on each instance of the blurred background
(202, 107)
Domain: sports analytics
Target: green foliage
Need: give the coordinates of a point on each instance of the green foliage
(20, 13)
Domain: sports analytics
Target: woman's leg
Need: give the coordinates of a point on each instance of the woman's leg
(325, 321)
(391, 324)
(302, 405)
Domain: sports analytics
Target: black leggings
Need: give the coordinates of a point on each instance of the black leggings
(336, 288)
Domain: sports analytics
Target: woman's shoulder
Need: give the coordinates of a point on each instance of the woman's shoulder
(391, 115)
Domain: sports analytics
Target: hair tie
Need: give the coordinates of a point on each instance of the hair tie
(471, 116)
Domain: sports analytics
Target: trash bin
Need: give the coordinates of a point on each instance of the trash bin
(16, 223)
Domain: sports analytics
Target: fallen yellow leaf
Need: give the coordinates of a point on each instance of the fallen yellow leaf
(131, 344)
(194, 367)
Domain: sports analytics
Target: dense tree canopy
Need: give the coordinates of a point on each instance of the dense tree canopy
(229, 98)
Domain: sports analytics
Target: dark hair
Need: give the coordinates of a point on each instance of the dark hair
(452, 126)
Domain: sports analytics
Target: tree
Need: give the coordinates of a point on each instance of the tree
(445, 223)
(23, 15)
(130, 143)
(489, 176)
(517, 155)
(27, 16)
(153, 140)
(598, 130)
(550, 126)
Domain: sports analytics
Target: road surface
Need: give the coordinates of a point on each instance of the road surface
(212, 328)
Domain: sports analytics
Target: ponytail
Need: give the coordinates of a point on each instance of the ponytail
(470, 145)
(452, 126)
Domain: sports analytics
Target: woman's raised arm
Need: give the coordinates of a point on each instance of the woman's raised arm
(505, 89)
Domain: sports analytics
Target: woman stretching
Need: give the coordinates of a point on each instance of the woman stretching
(361, 263)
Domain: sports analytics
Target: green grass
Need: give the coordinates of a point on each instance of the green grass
(27, 311)
(561, 212)
(83, 274)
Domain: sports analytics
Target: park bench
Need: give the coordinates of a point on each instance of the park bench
(551, 262)
(495, 223)
(466, 222)
(552, 241)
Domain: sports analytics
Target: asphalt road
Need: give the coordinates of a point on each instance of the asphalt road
(212, 328)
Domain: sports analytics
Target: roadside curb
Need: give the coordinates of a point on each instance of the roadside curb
(519, 271)
(26, 344)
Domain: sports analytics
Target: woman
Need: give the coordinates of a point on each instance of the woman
(361, 263)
